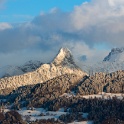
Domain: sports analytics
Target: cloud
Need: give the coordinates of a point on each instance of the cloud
(4, 26)
(95, 22)
(81, 50)
(116, 3)
(100, 21)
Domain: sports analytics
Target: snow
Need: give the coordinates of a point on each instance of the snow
(41, 113)
(37, 111)
(35, 114)
(116, 54)
(107, 66)
(104, 95)
(64, 57)
(67, 95)
(111, 63)
(6, 110)
(82, 122)
(100, 95)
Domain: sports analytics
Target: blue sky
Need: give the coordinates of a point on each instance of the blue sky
(25, 10)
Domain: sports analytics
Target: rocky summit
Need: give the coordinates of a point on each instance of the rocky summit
(116, 54)
(62, 64)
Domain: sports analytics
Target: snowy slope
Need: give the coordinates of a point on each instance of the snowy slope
(29, 66)
(64, 57)
(83, 122)
(116, 55)
(114, 61)
(107, 67)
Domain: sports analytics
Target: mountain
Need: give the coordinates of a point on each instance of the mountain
(61, 65)
(40, 93)
(64, 58)
(37, 95)
(114, 61)
(101, 82)
(62, 87)
(29, 66)
(116, 54)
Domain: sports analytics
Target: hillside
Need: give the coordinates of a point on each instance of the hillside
(37, 95)
(70, 93)
(101, 82)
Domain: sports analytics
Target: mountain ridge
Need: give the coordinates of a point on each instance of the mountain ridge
(113, 62)
(116, 54)
(44, 72)
(9, 71)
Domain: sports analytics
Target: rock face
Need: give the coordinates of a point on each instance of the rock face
(64, 58)
(116, 54)
(62, 64)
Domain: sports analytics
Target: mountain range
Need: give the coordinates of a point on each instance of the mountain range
(116, 54)
(47, 89)
(114, 61)
(34, 72)
(62, 64)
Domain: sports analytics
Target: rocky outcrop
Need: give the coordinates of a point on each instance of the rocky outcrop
(62, 64)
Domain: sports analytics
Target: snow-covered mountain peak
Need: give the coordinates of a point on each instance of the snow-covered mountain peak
(64, 57)
(63, 64)
(116, 54)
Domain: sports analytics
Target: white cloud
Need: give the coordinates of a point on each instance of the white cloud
(116, 3)
(4, 26)
(99, 21)
(97, 13)
(80, 49)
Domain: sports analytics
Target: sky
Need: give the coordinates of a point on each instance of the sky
(26, 10)
(37, 29)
